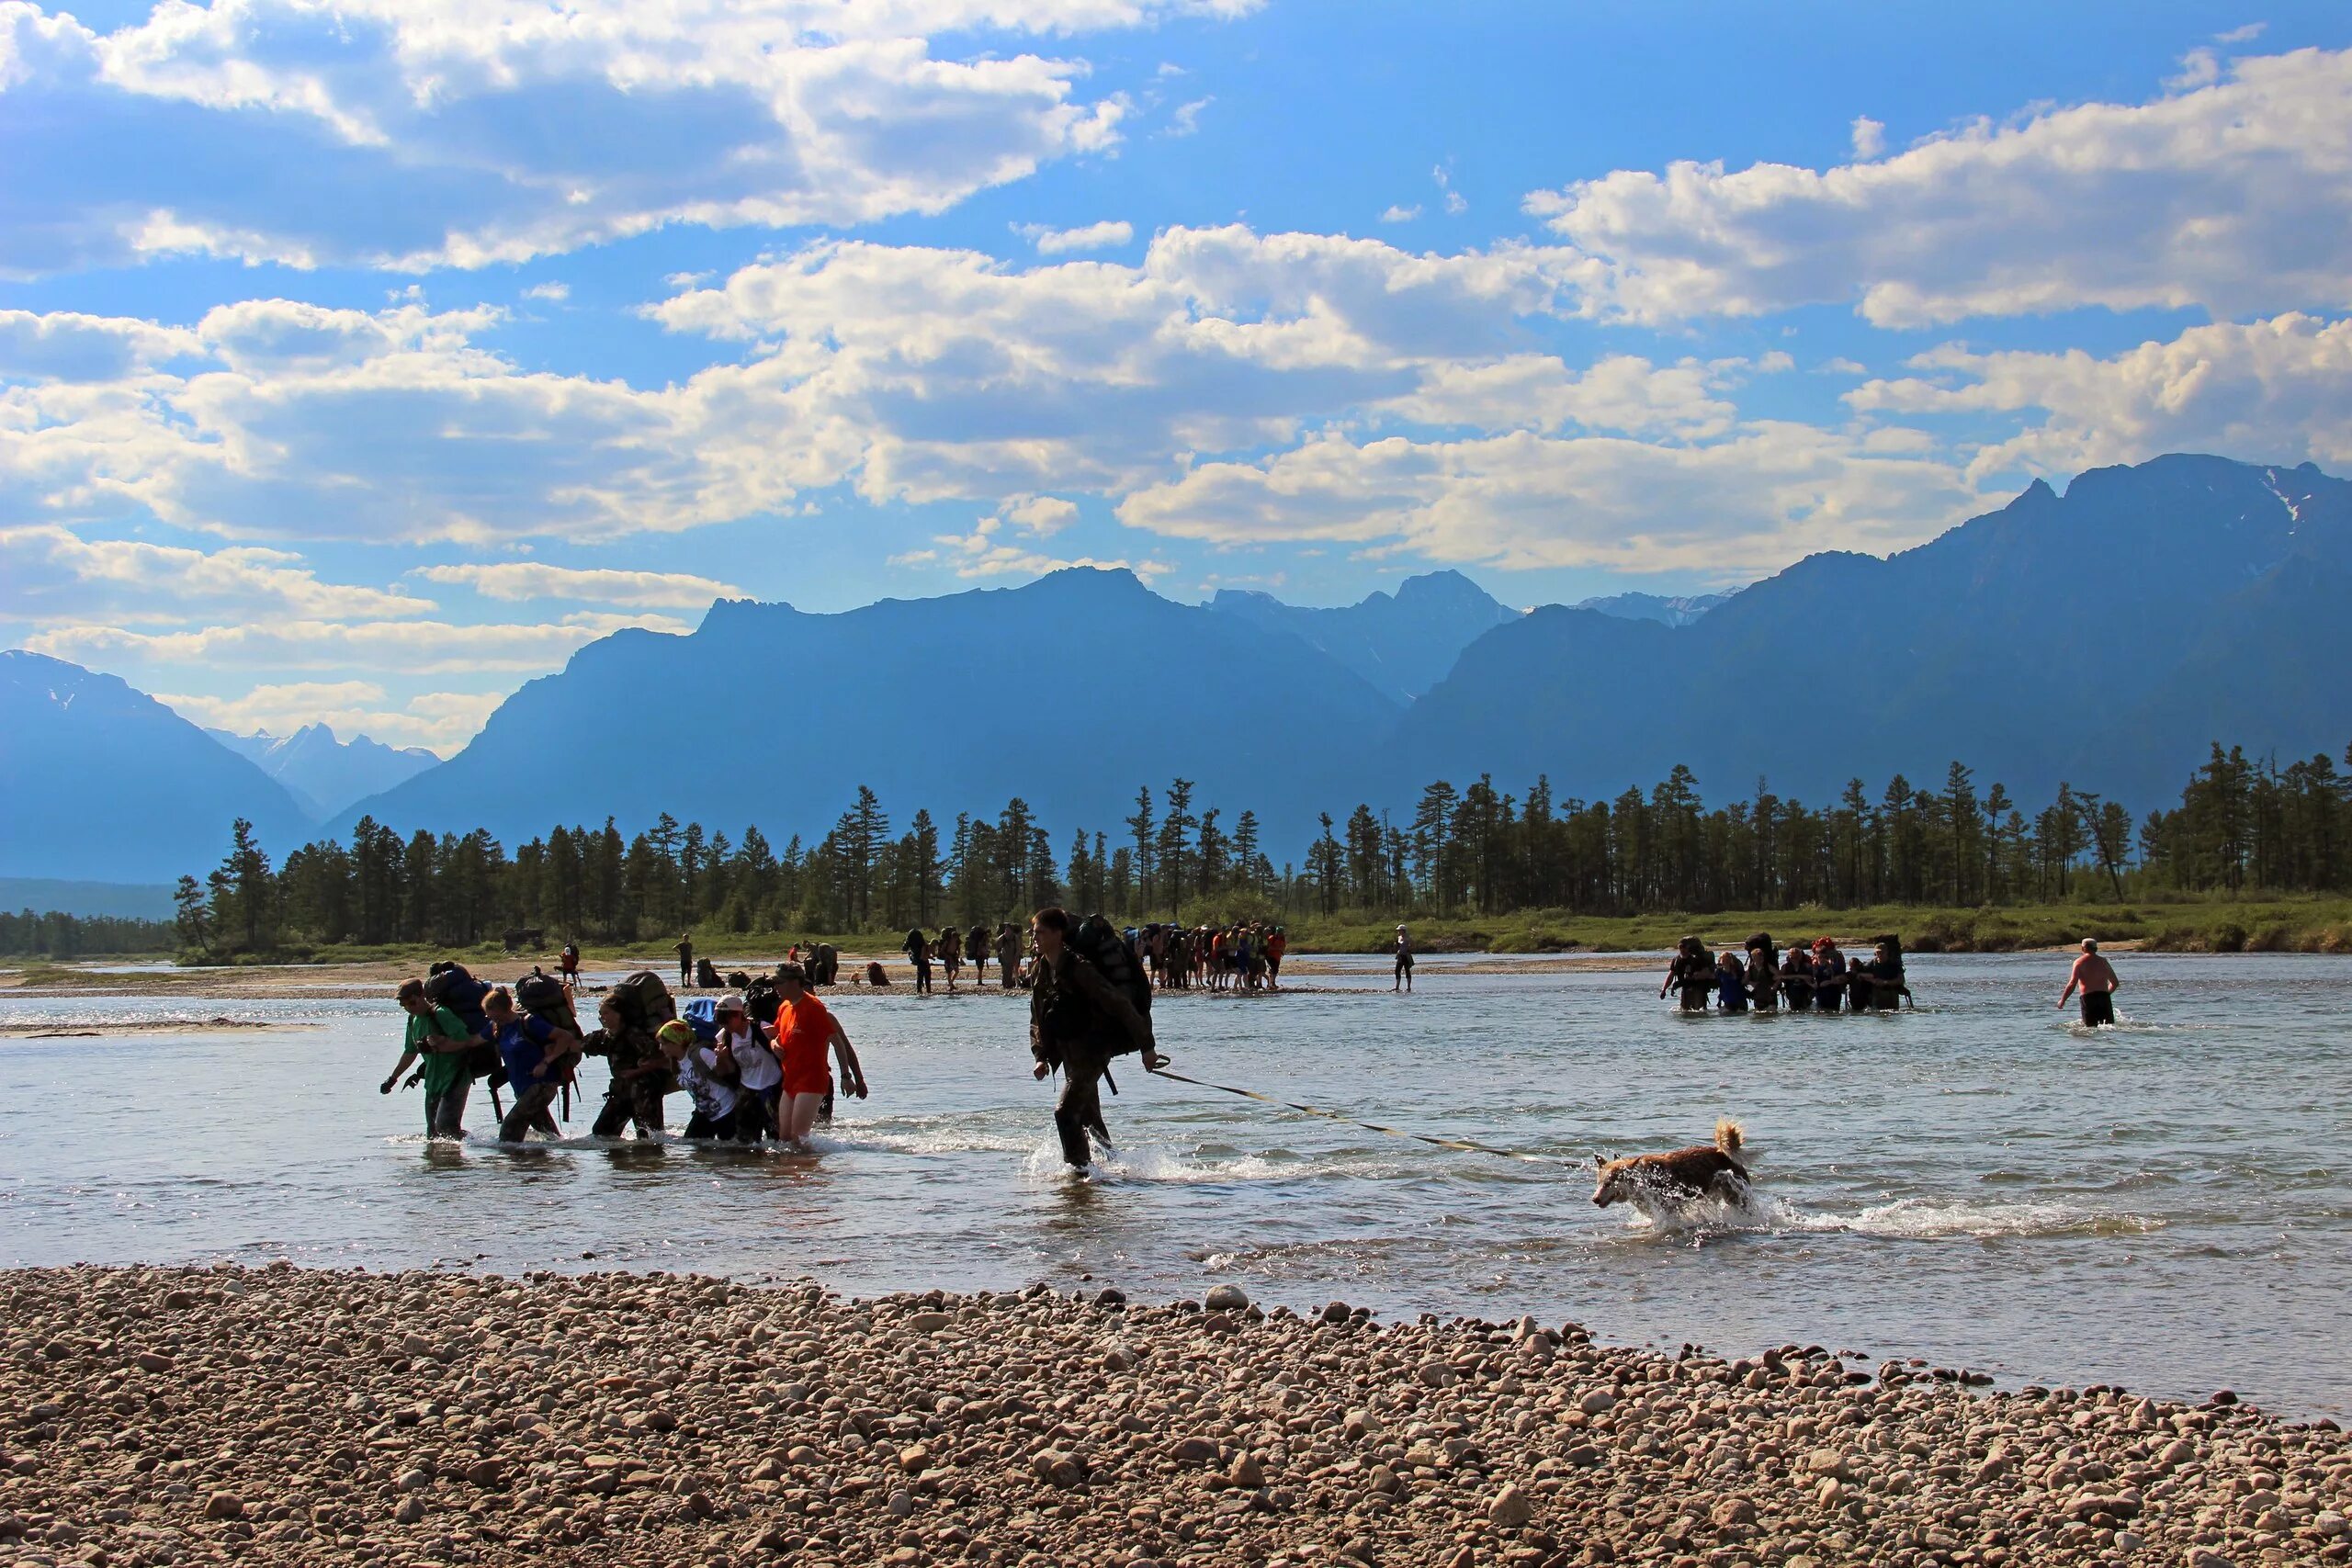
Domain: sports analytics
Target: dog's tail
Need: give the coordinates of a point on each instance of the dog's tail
(1730, 1137)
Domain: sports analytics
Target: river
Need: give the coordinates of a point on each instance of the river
(2165, 1206)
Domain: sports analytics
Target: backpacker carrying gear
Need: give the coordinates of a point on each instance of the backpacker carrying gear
(450, 984)
(1100, 944)
(761, 1000)
(644, 1000)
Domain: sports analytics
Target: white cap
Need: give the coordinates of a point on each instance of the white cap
(731, 1002)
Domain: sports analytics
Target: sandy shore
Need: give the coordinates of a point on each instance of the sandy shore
(157, 1416)
(281, 980)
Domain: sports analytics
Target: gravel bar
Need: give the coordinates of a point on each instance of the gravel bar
(300, 1416)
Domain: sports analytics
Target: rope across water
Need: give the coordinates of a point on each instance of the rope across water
(1466, 1145)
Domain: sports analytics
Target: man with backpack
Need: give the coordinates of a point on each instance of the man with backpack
(441, 1038)
(1080, 1017)
(537, 1056)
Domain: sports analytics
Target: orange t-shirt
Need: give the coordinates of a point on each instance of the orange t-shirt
(804, 1034)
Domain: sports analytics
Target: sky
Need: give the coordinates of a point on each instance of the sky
(362, 359)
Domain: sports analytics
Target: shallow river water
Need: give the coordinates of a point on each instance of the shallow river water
(2166, 1205)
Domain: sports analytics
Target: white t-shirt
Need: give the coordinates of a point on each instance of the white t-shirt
(756, 1065)
(713, 1097)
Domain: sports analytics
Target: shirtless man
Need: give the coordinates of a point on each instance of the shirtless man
(2096, 977)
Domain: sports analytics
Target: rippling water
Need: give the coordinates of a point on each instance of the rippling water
(2165, 1206)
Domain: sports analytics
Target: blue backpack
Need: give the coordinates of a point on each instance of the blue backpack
(702, 1016)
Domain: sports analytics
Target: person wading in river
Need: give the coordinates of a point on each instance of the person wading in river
(442, 1039)
(2095, 977)
(1077, 1021)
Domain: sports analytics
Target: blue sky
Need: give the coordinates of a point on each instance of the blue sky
(359, 359)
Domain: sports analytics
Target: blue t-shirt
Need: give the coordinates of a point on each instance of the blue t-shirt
(522, 1045)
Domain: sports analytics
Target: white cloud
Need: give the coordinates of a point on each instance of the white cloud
(1040, 516)
(1090, 237)
(1454, 201)
(415, 133)
(1841, 365)
(1869, 137)
(67, 346)
(554, 292)
(2277, 390)
(2234, 196)
(49, 573)
(1186, 118)
(1400, 214)
(521, 581)
(2246, 34)
(1731, 508)
(982, 553)
(442, 721)
(385, 648)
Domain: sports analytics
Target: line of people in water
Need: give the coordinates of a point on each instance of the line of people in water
(1759, 977)
(951, 950)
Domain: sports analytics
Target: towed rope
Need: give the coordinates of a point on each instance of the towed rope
(1464, 1143)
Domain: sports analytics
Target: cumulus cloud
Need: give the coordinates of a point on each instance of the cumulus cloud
(519, 581)
(1089, 237)
(405, 648)
(984, 553)
(67, 346)
(441, 721)
(1749, 502)
(416, 133)
(2280, 389)
(1869, 137)
(555, 293)
(1397, 213)
(49, 573)
(2235, 195)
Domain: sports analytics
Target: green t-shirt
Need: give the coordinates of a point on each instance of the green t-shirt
(442, 1068)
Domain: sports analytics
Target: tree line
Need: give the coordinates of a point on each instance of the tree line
(2242, 826)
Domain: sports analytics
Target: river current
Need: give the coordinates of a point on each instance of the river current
(2165, 1206)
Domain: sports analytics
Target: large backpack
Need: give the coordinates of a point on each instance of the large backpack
(1100, 944)
(761, 1000)
(644, 1000)
(542, 994)
(702, 1017)
(450, 984)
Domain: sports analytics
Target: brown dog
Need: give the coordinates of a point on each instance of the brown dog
(1698, 1171)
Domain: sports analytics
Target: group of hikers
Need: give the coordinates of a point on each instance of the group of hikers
(952, 949)
(1245, 955)
(756, 1062)
(755, 1065)
(1759, 977)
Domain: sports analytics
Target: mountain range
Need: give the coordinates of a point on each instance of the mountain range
(2102, 636)
(322, 773)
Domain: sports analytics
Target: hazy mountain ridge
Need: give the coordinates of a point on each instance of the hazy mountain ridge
(322, 773)
(1403, 643)
(2102, 636)
(100, 782)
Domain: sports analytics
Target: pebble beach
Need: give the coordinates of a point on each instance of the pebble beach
(297, 1417)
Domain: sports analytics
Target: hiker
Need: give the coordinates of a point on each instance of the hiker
(916, 948)
(1883, 976)
(1008, 954)
(716, 1099)
(1277, 943)
(442, 1039)
(1077, 1021)
(951, 954)
(538, 1055)
(1763, 980)
(1731, 982)
(1829, 975)
(1404, 973)
(805, 1029)
(1797, 979)
(743, 1044)
(641, 1077)
(685, 961)
(1692, 973)
(2095, 977)
(567, 964)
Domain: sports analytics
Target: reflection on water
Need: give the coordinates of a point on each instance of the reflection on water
(2164, 1205)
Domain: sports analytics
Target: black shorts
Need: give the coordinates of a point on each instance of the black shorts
(2098, 1007)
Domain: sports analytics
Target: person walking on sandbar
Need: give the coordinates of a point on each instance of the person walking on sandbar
(1077, 1021)
(2096, 976)
(1403, 980)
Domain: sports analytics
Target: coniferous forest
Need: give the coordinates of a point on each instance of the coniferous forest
(2242, 826)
